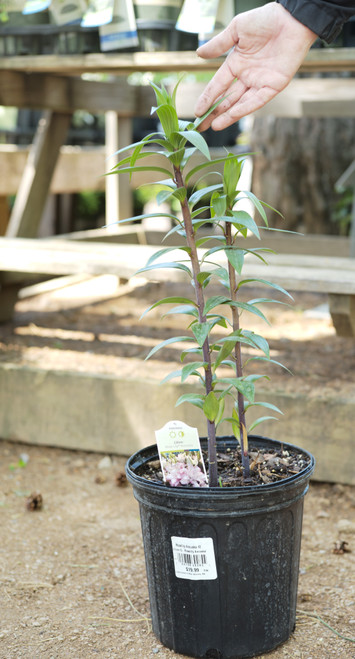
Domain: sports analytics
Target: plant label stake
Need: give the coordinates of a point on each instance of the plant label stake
(180, 455)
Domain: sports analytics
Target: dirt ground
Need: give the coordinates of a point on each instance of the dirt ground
(72, 575)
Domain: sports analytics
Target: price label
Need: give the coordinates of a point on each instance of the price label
(194, 558)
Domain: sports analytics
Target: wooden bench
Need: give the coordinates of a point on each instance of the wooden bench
(23, 259)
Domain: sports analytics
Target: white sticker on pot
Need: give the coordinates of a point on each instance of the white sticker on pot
(194, 558)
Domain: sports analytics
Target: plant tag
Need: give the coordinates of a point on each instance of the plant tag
(197, 16)
(180, 455)
(194, 558)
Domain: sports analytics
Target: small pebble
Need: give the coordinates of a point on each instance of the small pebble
(346, 526)
(105, 463)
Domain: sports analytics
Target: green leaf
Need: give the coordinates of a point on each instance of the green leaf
(211, 406)
(269, 406)
(167, 342)
(186, 309)
(261, 419)
(221, 406)
(236, 258)
(245, 387)
(192, 351)
(175, 265)
(197, 140)
(215, 301)
(202, 277)
(218, 203)
(180, 194)
(142, 217)
(199, 120)
(267, 283)
(136, 168)
(201, 331)
(194, 399)
(169, 300)
(257, 203)
(224, 352)
(163, 196)
(235, 423)
(176, 157)
(231, 174)
(251, 308)
(243, 219)
(168, 119)
(162, 252)
(257, 341)
(190, 368)
(170, 376)
(199, 194)
(222, 275)
(270, 361)
(204, 165)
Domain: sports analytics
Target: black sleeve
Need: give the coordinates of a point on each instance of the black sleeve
(324, 17)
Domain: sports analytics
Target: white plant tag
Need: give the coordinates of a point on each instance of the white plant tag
(180, 455)
(197, 16)
(194, 558)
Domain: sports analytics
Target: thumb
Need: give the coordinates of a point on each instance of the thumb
(219, 44)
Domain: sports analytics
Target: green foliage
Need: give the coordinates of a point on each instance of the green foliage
(217, 355)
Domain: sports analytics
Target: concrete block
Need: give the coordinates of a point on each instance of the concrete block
(107, 414)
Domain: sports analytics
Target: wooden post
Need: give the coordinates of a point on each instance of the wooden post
(342, 311)
(352, 228)
(33, 190)
(118, 191)
(4, 214)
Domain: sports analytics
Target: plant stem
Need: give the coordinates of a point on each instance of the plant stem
(237, 357)
(195, 266)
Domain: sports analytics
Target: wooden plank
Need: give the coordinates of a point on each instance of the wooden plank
(34, 187)
(61, 257)
(282, 243)
(66, 94)
(313, 97)
(82, 168)
(318, 59)
(77, 168)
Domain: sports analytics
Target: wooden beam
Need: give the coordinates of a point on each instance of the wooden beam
(67, 94)
(60, 257)
(318, 59)
(34, 187)
(313, 97)
(83, 168)
(78, 168)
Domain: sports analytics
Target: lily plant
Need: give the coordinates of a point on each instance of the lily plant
(213, 353)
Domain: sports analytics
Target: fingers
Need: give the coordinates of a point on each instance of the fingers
(250, 101)
(221, 81)
(235, 92)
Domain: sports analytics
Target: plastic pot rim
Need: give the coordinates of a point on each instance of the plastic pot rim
(151, 453)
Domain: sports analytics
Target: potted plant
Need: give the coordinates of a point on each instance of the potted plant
(222, 557)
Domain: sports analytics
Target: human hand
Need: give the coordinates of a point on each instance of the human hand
(268, 46)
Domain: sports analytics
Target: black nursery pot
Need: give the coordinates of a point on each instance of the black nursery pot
(245, 603)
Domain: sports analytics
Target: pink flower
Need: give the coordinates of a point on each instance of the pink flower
(180, 474)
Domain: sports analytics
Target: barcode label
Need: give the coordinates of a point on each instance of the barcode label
(194, 558)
